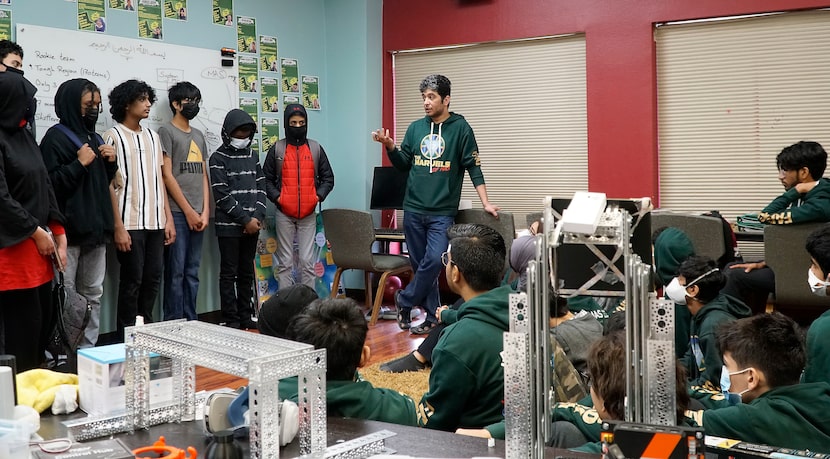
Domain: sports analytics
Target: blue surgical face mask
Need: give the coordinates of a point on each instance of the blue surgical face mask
(726, 384)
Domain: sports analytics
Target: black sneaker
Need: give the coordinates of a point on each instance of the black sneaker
(248, 325)
(402, 364)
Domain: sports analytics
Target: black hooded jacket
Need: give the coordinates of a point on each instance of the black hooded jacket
(82, 192)
(236, 179)
(26, 197)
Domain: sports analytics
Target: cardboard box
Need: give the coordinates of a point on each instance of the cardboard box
(101, 379)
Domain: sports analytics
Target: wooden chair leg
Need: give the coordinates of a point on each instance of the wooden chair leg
(378, 298)
(336, 283)
(367, 285)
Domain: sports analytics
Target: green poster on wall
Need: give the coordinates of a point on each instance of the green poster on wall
(246, 34)
(270, 129)
(249, 106)
(247, 74)
(175, 9)
(223, 12)
(5, 25)
(290, 75)
(122, 5)
(311, 92)
(288, 99)
(91, 15)
(268, 53)
(149, 19)
(269, 88)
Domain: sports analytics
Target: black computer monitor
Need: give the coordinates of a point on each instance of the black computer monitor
(388, 188)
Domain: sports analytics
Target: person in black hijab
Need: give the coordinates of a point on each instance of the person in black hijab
(81, 167)
(28, 212)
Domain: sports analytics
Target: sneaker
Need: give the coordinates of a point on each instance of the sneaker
(249, 324)
(402, 364)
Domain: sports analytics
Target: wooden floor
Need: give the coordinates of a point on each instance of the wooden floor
(385, 339)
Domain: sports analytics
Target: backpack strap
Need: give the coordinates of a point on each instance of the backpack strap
(74, 137)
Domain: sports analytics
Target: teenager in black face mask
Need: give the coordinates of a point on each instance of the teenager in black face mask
(81, 167)
(185, 177)
(28, 209)
(298, 176)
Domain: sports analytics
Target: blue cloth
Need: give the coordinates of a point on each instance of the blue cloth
(181, 271)
(426, 238)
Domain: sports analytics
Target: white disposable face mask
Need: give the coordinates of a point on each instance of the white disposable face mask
(240, 144)
(676, 292)
(818, 286)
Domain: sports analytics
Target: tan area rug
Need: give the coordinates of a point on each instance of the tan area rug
(412, 383)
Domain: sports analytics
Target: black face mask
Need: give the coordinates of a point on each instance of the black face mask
(296, 134)
(90, 118)
(190, 110)
(15, 70)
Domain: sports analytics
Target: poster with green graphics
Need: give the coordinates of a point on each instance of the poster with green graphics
(5, 25)
(269, 88)
(249, 105)
(290, 75)
(246, 34)
(255, 148)
(127, 5)
(270, 129)
(268, 53)
(223, 12)
(175, 9)
(149, 19)
(247, 74)
(311, 92)
(288, 99)
(91, 15)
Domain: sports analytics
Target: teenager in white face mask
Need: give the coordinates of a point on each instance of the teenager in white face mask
(698, 287)
(818, 337)
(763, 356)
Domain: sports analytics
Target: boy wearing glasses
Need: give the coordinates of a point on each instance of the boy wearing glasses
(81, 167)
(186, 180)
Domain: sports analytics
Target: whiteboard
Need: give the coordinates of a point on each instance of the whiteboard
(53, 56)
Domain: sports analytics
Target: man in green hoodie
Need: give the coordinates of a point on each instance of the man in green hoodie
(466, 384)
(437, 150)
(763, 356)
(698, 287)
(806, 199)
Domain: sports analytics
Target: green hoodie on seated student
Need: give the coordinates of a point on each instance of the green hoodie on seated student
(672, 247)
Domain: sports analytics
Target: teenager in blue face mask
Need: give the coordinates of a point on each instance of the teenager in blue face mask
(818, 338)
(763, 357)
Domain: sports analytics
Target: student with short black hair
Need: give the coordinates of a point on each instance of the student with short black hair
(698, 287)
(142, 221)
(338, 325)
(763, 357)
(188, 189)
(466, 384)
(11, 54)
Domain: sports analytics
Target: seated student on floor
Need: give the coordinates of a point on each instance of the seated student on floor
(698, 287)
(671, 247)
(763, 357)
(338, 325)
(818, 337)
(466, 384)
(579, 426)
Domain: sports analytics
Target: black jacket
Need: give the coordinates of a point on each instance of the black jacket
(82, 192)
(26, 197)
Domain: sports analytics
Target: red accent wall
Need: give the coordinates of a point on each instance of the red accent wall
(620, 63)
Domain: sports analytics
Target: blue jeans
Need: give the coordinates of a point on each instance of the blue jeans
(181, 271)
(426, 237)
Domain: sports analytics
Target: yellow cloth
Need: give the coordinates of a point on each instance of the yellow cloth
(36, 388)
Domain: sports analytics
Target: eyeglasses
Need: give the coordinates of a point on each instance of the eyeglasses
(188, 100)
(445, 259)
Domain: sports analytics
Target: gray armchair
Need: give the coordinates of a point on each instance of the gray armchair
(504, 224)
(351, 234)
(706, 233)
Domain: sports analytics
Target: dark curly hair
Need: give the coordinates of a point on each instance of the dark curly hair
(125, 94)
